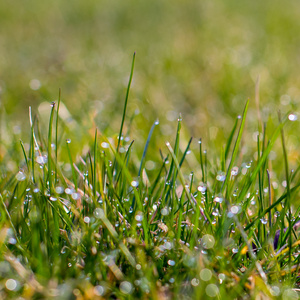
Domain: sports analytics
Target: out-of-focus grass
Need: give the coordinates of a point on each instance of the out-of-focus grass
(200, 58)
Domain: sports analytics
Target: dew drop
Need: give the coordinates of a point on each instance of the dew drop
(275, 290)
(69, 191)
(208, 241)
(20, 176)
(134, 183)
(221, 176)
(12, 241)
(53, 199)
(165, 211)
(234, 171)
(105, 145)
(219, 198)
(75, 196)
(126, 287)
(99, 213)
(68, 141)
(205, 274)
(99, 290)
(86, 220)
(293, 117)
(234, 209)
(264, 221)
(195, 282)
(221, 277)
(139, 216)
(171, 262)
(41, 159)
(59, 190)
(202, 187)
(212, 290)
(11, 284)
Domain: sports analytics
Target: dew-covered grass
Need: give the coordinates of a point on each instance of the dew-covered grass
(103, 222)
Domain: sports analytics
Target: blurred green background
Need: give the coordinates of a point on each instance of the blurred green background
(197, 58)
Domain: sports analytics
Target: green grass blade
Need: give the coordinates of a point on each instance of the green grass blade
(146, 147)
(50, 147)
(126, 102)
(56, 134)
(236, 147)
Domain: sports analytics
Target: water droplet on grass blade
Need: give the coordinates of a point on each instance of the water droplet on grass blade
(41, 159)
(234, 209)
(11, 284)
(165, 211)
(99, 290)
(69, 191)
(195, 282)
(221, 277)
(105, 145)
(293, 117)
(86, 220)
(53, 198)
(275, 290)
(219, 198)
(139, 216)
(264, 221)
(221, 176)
(134, 183)
(75, 196)
(205, 274)
(202, 187)
(99, 213)
(208, 241)
(234, 171)
(126, 287)
(171, 262)
(20, 176)
(59, 190)
(12, 241)
(68, 141)
(212, 290)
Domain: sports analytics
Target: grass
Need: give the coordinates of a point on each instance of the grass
(98, 224)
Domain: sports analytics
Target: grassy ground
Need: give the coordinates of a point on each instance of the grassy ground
(99, 224)
(155, 214)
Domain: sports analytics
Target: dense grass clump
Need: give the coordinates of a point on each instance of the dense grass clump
(95, 225)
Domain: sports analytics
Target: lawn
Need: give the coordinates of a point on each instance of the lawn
(149, 150)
